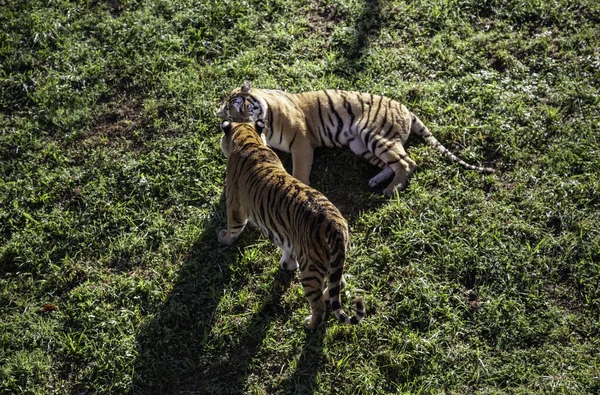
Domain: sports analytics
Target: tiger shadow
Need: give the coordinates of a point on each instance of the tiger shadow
(184, 348)
(178, 350)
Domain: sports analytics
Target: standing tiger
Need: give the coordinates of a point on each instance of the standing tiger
(301, 221)
(374, 127)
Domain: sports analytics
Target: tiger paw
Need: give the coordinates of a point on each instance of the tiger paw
(390, 191)
(288, 264)
(224, 237)
(314, 321)
(308, 324)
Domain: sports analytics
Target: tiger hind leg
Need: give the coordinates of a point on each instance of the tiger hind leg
(360, 149)
(326, 296)
(312, 283)
(402, 165)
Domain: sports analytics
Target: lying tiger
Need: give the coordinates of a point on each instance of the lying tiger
(301, 221)
(374, 127)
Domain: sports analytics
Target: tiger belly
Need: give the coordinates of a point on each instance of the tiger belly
(279, 140)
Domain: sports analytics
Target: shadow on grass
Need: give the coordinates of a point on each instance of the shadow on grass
(186, 347)
(178, 351)
(353, 51)
(310, 362)
(344, 178)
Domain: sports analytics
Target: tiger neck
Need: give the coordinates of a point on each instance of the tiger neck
(244, 139)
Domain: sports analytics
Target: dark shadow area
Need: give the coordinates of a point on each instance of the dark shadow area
(177, 351)
(344, 178)
(184, 349)
(229, 372)
(310, 362)
(354, 48)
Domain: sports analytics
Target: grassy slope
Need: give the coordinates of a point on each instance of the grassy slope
(111, 187)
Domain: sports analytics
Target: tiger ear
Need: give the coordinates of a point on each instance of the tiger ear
(259, 125)
(226, 127)
(246, 87)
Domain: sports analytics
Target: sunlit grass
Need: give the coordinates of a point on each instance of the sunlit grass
(111, 195)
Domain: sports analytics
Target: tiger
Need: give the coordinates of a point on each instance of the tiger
(301, 221)
(374, 127)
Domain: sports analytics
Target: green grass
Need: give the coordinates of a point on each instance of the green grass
(111, 196)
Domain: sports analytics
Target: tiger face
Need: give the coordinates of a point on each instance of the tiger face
(239, 106)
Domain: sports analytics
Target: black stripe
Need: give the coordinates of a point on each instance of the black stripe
(362, 108)
(271, 126)
(340, 125)
(374, 145)
(333, 292)
(336, 276)
(384, 115)
(246, 146)
(368, 119)
(378, 108)
(348, 108)
(321, 119)
(336, 305)
(292, 142)
(368, 136)
(317, 267)
(311, 278)
(339, 260)
(386, 134)
(281, 137)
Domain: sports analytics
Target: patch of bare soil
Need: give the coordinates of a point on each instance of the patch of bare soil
(115, 126)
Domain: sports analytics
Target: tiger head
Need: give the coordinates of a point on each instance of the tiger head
(241, 106)
(229, 129)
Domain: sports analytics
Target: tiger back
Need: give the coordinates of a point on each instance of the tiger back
(310, 231)
(374, 127)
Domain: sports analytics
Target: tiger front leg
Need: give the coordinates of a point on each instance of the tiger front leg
(302, 159)
(236, 221)
(288, 260)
